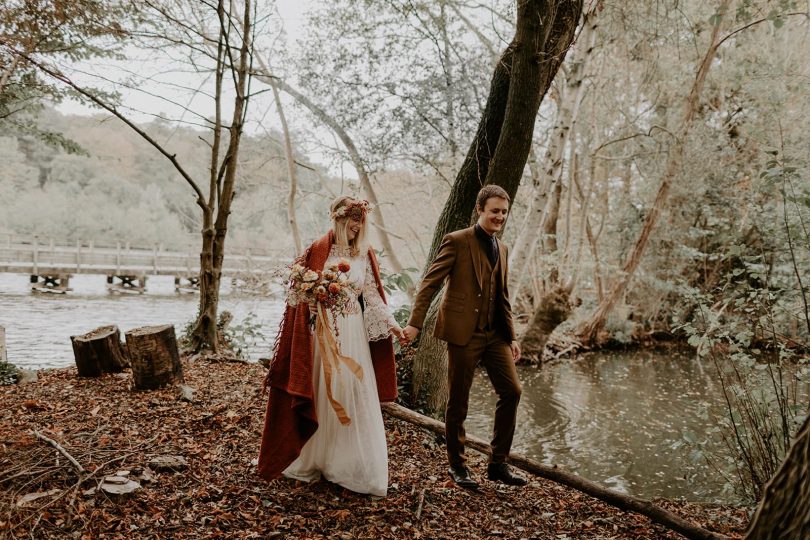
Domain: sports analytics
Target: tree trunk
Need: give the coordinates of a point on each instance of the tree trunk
(288, 153)
(588, 332)
(552, 310)
(99, 351)
(548, 229)
(204, 335)
(560, 476)
(539, 46)
(551, 175)
(377, 216)
(447, 53)
(430, 376)
(522, 77)
(154, 357)
(784, 511)
(222, 189)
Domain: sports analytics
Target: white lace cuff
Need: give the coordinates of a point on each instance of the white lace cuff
(377, 315)
(379, 321)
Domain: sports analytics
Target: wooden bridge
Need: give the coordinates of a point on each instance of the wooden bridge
(50, 263)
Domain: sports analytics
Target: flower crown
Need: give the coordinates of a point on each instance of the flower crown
(355, 209)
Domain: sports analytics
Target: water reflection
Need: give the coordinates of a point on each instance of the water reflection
(39, 326)
(618, 419)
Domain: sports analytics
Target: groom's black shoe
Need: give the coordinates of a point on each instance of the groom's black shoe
(461, 476)
(502, 473)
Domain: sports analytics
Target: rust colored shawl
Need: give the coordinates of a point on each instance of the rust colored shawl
(291, 417)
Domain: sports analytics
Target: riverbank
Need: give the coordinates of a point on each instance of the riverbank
(108, 428)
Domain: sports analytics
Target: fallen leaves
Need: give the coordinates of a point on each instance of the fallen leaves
(112, 430)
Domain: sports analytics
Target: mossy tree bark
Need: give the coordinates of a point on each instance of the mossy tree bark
(552, 310)
(783, 511)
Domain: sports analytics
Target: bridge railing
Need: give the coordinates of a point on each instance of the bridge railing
(32, 255)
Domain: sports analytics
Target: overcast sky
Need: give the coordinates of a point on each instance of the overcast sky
(140, 104)
(167, 89)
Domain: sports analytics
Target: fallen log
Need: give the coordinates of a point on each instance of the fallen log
(614, 498)
(154, 357)
(99, 351)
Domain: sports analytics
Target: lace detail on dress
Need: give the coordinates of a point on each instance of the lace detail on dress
(337, 251)
(378, 317)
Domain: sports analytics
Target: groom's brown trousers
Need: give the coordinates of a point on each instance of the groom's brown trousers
(489, 348)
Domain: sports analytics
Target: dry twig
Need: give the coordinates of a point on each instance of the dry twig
(61, 451)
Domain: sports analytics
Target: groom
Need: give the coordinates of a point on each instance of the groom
(475, 319)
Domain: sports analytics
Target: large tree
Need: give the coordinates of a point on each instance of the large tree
(499, 150)
(216, 41)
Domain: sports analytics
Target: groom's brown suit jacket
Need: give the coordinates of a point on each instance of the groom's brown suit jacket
(459, 261)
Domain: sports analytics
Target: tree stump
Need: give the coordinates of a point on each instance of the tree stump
(154, 356)
(3, 357)
(99, 351)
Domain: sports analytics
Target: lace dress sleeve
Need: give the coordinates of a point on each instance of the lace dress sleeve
(377, 316)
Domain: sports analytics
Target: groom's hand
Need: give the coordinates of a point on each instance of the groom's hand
(515, 350)
(409, 333)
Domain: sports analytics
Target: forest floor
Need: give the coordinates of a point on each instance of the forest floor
(109, 429)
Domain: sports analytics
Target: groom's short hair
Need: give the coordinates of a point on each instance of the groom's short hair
(489, 191)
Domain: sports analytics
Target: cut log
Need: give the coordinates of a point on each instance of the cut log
(154, 357)
(99, 351)
(619, 500)
(3, 356)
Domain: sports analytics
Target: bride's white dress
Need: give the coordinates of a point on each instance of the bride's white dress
(354, 456)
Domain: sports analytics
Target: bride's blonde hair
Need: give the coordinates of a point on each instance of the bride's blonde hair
(340, 224)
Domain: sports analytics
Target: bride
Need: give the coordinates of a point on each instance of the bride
(323, 417)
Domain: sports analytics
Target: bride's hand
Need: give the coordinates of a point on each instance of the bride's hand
(397, 331)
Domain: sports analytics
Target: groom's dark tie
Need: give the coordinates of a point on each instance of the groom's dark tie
(488, 243)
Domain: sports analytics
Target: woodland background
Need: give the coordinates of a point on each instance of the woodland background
(665, 195)
(407, 82)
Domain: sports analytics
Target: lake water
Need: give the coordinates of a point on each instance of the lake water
(618, 419)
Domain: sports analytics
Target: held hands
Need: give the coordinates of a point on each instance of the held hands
(397, 331)
(408, 335)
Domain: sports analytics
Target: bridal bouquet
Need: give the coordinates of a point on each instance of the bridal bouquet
(328, 288)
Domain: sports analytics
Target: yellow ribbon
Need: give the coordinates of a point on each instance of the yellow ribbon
(331, 359)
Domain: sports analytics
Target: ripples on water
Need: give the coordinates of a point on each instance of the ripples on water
(618, 419)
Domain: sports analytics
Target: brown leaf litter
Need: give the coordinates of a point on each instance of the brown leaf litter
(212, 491)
